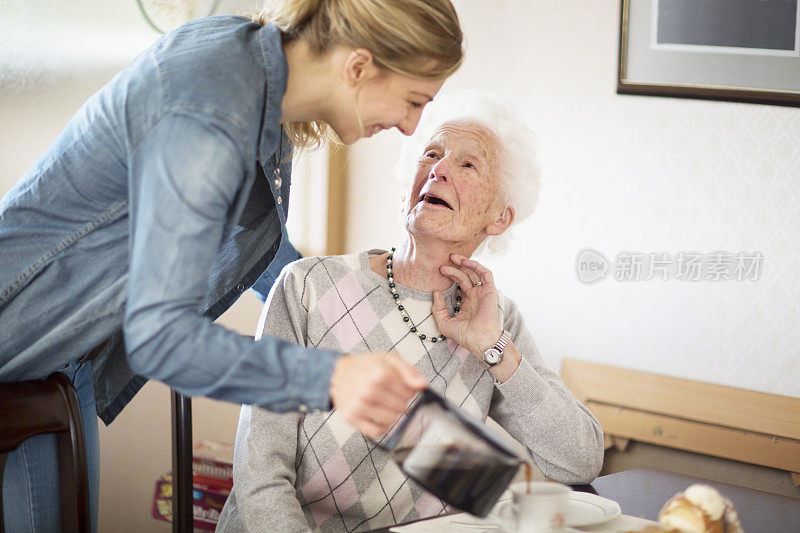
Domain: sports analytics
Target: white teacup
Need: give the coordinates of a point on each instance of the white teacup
(543, 510)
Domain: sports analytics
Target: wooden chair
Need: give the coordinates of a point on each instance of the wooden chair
(727, 422)
(30, 408)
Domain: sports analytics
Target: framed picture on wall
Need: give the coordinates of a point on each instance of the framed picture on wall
(736, 50)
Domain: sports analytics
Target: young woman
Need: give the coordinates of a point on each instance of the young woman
(165, 198)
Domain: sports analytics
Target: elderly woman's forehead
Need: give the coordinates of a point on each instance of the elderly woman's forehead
(472, 132)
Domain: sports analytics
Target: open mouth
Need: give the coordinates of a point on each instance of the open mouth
(435, 200)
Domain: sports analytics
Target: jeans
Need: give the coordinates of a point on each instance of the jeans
(30, 484)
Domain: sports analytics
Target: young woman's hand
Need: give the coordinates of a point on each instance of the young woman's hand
(371, 390)
(476, 326)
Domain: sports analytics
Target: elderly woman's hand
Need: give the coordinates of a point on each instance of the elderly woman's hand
(475, 327)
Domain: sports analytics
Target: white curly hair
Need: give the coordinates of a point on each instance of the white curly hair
(517, 164)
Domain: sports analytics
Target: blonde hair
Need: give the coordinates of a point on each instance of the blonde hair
(400, 34)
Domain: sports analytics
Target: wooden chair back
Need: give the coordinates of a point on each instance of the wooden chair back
(747, 426)
(30, 408)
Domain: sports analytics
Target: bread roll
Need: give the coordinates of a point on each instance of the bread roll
(700, 509)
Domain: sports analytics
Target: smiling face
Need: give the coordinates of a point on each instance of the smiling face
(455, 193)
(395, 100)
(384, 100)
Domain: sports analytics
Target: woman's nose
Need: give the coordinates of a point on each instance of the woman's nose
(409, 124)
(440, 170)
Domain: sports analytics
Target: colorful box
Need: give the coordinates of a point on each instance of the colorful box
(212, 464)
(207, 505)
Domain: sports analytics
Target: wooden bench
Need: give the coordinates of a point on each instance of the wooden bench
(752, 427)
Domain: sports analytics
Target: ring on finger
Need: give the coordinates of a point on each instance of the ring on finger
(477, 283)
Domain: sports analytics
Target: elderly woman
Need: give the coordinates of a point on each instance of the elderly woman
(473, 174)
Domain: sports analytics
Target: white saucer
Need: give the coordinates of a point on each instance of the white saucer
(587, 509)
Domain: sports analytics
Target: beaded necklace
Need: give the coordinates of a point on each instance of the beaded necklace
(402, 309)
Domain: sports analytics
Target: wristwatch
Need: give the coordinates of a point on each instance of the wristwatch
(494, 355)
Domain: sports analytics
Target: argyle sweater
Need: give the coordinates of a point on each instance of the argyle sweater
(313, 471)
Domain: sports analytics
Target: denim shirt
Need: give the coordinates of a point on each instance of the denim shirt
(148, 217)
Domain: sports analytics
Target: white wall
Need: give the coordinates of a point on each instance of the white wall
(627, 173)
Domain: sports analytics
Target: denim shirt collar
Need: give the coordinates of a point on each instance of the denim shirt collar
(270, 52)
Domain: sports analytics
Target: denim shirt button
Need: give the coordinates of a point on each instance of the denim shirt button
(240, 287)
(280, 200)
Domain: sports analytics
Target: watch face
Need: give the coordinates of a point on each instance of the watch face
(491, 356)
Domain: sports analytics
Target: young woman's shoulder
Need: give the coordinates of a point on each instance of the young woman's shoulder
(218, 65)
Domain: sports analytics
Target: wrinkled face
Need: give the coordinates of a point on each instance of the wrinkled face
(390, 100)
(455, 192)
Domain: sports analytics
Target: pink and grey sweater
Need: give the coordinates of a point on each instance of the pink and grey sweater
(314, 471)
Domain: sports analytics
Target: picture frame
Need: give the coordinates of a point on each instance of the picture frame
(732, 50)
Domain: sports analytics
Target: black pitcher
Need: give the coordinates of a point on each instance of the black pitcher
(453, 455)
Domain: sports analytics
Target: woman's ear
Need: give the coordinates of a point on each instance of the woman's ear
(358, 67)
(502, 222)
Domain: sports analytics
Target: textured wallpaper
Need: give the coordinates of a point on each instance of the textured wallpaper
(627, 176)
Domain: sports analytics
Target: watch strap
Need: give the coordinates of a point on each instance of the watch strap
(501, 343)
(498, 347)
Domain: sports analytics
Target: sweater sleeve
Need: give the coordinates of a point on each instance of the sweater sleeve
(561, 435)
(266, 442)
